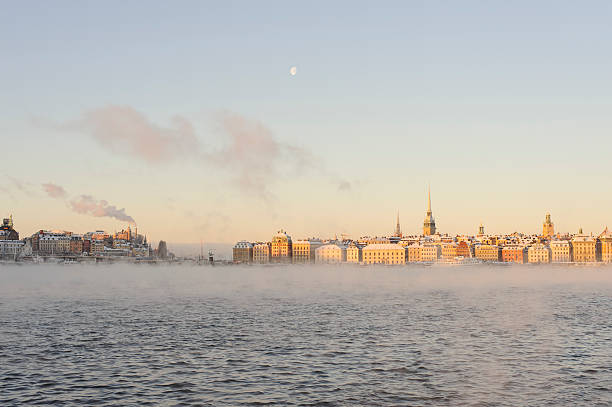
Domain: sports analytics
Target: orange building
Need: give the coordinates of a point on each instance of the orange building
(514, 254)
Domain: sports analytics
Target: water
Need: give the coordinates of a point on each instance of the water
(117, 335)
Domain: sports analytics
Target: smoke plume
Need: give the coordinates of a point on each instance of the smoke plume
(54, 191)
(86, 204)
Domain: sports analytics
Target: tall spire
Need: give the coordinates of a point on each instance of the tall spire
(398, 231)
(428, 198)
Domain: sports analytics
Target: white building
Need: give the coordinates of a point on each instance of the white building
(538, 253)
(330, 253)
(11, 248)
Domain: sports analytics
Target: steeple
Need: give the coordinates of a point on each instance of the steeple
(398, 231)
(429, 225)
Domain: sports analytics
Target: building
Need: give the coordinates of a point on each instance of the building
(430, 252)
(384, 254)
(606, 246)
(560, 251)
(487, 252)
(548, 228)
(261, 253)
(7, 232)
(354, 253)
(539, 253)
(242, 252)
(11, 249)
(585, 248)
(414, 253)
(429, 224)
(449, 251)
(330, 253)
(54, 243)
(76, 244)
(304, 251)
(464, 249)
(281, 248)
(481, 230)
(96, 247)
(125, 234)
(514, 254)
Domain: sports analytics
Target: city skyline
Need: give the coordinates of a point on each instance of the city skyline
(194, 123)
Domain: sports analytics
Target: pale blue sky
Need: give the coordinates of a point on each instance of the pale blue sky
(502, 106)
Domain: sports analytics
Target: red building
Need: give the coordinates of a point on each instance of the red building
(514, 254)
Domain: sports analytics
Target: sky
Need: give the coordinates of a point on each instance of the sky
(183, 117)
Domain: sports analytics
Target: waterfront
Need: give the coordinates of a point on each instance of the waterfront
(329, 335)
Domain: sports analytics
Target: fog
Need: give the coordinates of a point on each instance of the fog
(313, 282)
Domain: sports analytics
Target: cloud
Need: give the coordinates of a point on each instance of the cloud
(124, 130)
(344, 185)
(248, 151)
(87, 205)
(54, 191)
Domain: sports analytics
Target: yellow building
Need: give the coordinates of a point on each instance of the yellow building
(414, 253)
(539, 253)
(330, 253)
(261, 253)
(487, 252)
(561, 251)
(548, 228)
(449, 251)
(96, 248)
(430, 252)
(384, 254)
(606, 246)
(304, 251)
(281, 248)
(584, 248)
(353, 253)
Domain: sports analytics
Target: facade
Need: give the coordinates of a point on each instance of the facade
(304, 251)
(354, 253)
(514, 254)
(125, 234)
(261, 253)
(242, 252)
(487, 252)
(384, 254)
(430, 252)
(429, 224)
(330, 253)
(560, 251)
(539, 253)
(584, 248)
(548, 228)
(281, 248)
(10, 249)
(449, 251)
(76, 244)
(54, 243)
(414, 253)
(605, 240)
(463, 249)
(6, 230)
(96, 247)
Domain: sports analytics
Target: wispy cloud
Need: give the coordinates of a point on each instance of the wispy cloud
(88, 205)
(124, 130)
(248, 151)
(54, 191)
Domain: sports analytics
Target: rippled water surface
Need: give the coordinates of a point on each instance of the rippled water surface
(76, 335)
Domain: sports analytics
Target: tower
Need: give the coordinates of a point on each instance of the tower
(398, 230)
(429, 225)
(481, 230)
(548, 228)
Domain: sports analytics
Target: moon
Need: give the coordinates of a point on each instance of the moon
(293, 70)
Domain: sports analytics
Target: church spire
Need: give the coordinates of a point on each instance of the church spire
(428, 198)
(398, 231)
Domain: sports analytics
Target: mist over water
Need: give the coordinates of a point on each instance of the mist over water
(305, 335)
